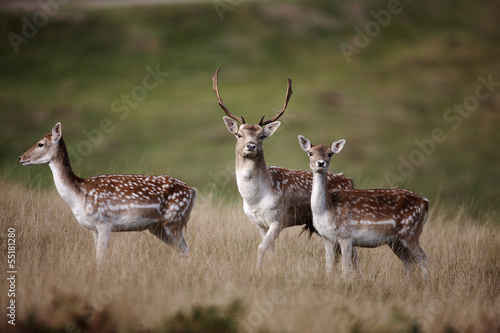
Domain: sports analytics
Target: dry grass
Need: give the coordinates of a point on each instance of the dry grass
(143, 281)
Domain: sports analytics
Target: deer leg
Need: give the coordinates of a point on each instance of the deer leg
(402, 250)
(346, 246)
(94, 233)
(181, 245)
(103, 233)
(355, 259)
(177, 241)
(419, 256)
(168, 237)
(271, 235)
(338, 254)
(263, 232)
(332, 249)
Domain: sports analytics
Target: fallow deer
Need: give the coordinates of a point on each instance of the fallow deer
(111, 203)
(273, 198)
(364, 218)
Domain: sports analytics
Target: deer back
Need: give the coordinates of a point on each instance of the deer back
(391, 211)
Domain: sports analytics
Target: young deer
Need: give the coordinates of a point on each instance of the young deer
(111, 203)
(364, 218)
(273, 198)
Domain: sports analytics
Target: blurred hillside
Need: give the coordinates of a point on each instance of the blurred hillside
(413, 86)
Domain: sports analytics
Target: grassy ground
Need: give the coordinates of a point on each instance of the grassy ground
(145, 287)
(387, 102)
(397, 89)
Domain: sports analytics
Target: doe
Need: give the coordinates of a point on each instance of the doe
(111, 203)
(364, 218)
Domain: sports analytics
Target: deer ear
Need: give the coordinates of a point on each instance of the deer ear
(337, 146)
(304, 143)
(57, 132)
(231, 125)
(271, 128)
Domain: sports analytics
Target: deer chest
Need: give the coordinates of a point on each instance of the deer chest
(262, 213)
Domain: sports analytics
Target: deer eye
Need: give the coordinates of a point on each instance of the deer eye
(262, 137)
(239, 136)
(310, 153)
(40, 145)
(330, 154)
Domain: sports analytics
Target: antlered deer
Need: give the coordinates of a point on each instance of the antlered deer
(273, 198)
(110, 203)
(364, 218)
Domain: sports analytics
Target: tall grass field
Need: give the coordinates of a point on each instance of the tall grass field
(144, 286)
(417, 102)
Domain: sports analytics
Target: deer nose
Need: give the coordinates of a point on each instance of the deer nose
(251, 146)
(320, 163)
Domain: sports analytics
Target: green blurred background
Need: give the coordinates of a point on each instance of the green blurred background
(77, 63)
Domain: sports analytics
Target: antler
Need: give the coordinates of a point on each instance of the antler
(289, 92)
(221, 103)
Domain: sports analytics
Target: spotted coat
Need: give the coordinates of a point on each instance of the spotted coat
(112, 203)
(364, 218)
(295, 187)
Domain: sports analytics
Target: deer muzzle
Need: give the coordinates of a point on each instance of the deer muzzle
(320, 164)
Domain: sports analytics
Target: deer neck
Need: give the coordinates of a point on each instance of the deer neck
(67, 183)
(253, 179)
(319, 195)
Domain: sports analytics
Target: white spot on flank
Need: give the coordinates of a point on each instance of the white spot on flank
(379, 222)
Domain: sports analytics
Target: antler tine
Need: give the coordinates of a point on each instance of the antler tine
(287, 98)
(221, 103)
